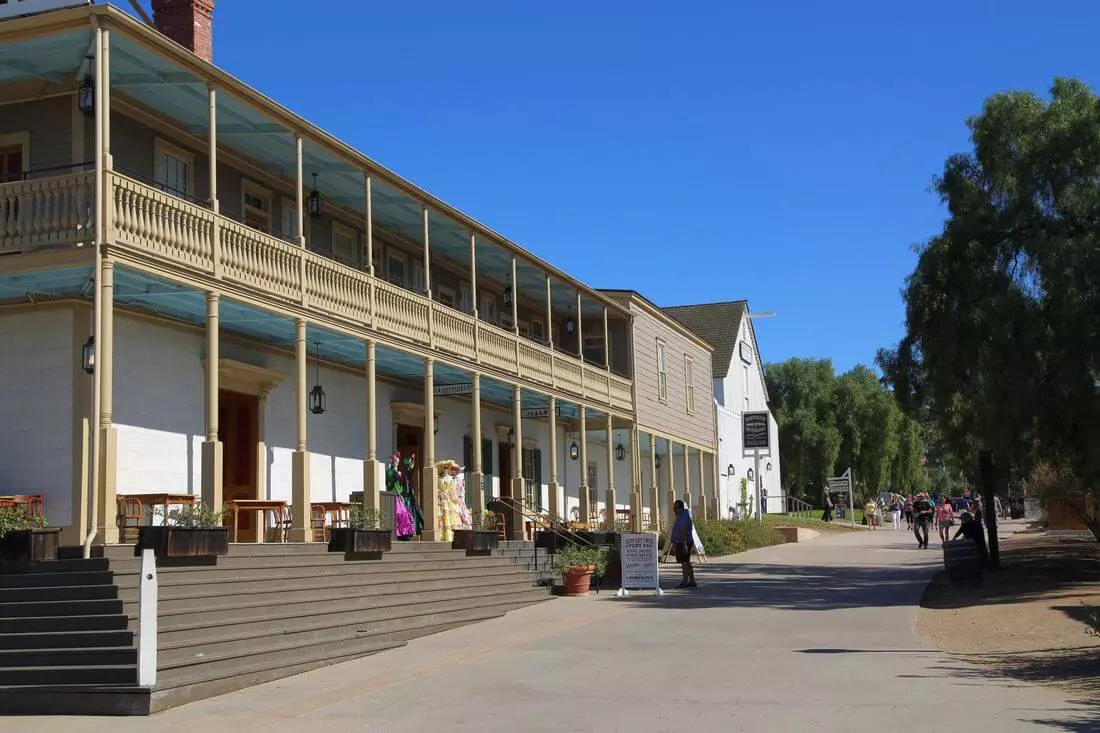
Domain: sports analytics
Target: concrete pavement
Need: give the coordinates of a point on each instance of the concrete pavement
(813, 636)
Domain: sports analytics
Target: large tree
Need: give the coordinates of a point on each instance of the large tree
(801, 392)
(1003, 308)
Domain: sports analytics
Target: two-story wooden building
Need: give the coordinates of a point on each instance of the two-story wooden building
(202, 293)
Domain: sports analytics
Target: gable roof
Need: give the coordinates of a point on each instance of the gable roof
(718, 323)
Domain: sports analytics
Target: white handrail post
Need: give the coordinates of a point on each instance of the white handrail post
(147, 620)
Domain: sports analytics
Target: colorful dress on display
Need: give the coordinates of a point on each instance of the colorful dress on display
(409, 494)
(448, 517)
(465, 518)
(402, 520)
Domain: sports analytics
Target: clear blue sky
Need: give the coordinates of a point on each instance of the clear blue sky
(779, 151)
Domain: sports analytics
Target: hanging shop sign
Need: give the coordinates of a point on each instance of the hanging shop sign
(449, 389)
(754, 430)
(535, 412)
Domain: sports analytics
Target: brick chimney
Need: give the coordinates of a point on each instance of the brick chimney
(189, 23)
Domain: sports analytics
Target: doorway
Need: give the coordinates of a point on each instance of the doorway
(410, 440)
(505, 472)
(238, 431)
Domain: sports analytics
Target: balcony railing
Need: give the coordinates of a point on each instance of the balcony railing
(156, 223)
(47, 212)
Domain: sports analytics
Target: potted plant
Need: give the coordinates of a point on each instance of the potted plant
(364, 533)
(613, 574)
(577, 566)
(481, 539)
(26, 539)
(197, 532)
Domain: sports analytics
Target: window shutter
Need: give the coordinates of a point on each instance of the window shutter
(538, 478)
(487, 465)
(467, 460)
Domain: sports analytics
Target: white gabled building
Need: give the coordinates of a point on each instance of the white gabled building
(739, 387)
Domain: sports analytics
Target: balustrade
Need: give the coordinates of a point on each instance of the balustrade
(163, 224)
(46, 212)
(454, 331)
(569, 374)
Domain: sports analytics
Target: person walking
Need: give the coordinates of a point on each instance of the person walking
(827, 515)
(922, 516)
(683, 543)
(907, 507)
(945, 518)
(870, 510)
(895, 512)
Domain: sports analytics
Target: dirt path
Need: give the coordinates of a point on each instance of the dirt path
(1027, 620)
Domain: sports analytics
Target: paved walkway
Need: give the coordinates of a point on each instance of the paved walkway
(808, 637)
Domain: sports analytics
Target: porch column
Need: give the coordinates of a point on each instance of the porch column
(473, 275)
(635, 485)
(212, 447)
(670, 494)
(477, 471)
(687, 476)
(429, 480)
(370, 465)
(108, 434)
(517, 454)
(368, 220)
(549, 315)
(714, 492)
(654, 492)
(261, 443)
(583, 510)
(212, 146)
(103, 81)
(299, 195)
(553, 489)
(82, 425)
(609, 494)
(515, 301)
(606, 342)
(580, 336)
(427, 253)
(704, 507)
(299, 466)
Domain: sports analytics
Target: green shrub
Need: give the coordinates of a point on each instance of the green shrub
(574, 557)
(729, 536)
(199, 516)
(361, 517)
(14, 519)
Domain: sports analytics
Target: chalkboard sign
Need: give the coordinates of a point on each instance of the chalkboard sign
(639, 558)
(754, 430)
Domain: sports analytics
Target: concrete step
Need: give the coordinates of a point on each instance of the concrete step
(64, 675)
(70, 657)
(280, 562)
(90, 622)
(66, 639)
(184, 644)
(76, 699)
(309, 587)
(128, 576)
(266, 605)
(60, 608)
(40, 580)
(57, 593)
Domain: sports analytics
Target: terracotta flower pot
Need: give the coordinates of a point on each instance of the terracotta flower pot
(577, 579)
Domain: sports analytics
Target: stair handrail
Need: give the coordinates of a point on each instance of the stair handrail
(545, 520)
(798, 506)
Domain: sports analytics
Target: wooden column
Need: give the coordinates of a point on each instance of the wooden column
(580, 335)
(477, 471)
(704, 506)
(584, 510)
(635, 485)
(212, 146)
(654, 491)
(108, 435)
(670, 497)
(554, 499)
(368, 220)
(371, 484)
(515, 300)
(517, 454)
(211, 457)
(429, 479)
(606, 342)
(299, 196)
(427, 253)
(549, 314)
(299, 479)
(609, 494)
(687, 476)
(473, 275)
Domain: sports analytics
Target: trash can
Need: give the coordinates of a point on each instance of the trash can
(963, 562)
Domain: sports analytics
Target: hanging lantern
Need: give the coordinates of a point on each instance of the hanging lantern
(620, 452)
(570, 324)
(85, 99)
(315, 207)
(317, 397)
(511, 437)
(574, 451)
(657, 462)
(88, 355)
(508, 295)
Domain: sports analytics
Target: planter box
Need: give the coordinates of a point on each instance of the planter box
(352, 540)
(476, 542)
(30, 545)
(184, 541)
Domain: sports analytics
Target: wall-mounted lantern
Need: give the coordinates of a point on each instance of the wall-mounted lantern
(730, 471)
(85, 99)
(620, 451)
(88, 355)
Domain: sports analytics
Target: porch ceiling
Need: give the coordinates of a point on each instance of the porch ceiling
(51, 283)
(54, 59)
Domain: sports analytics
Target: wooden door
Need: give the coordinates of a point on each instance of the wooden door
(505, 472)
(410, 439)
(238, 430)
(11, 163)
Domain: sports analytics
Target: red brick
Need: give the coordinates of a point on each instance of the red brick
(189, 23)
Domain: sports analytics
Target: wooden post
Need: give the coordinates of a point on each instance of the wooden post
(299, 479)
(477, 472)
(211, 457)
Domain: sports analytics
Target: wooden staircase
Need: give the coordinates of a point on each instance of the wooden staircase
(261, 613)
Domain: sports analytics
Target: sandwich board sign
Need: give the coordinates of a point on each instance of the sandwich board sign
(638, 553)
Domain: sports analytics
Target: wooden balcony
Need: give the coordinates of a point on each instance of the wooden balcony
(58, 212)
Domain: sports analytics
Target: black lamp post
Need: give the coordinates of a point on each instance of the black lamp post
(317, 397)
(85, 99)
(315, 206)
(88, 355)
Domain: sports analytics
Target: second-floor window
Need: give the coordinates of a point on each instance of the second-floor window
(11, 163)
(689, 382)
(396, 265)
(465, 298)
(538, 329)
(256, 206)
(173, 169)
(345, 245)
(662, 372)
(487, 308)
(290, 221)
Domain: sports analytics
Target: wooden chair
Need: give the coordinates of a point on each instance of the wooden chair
(130, 516)
(622, 515)
(280, 524)
(500, 525)
(317, 520)
(31, 503)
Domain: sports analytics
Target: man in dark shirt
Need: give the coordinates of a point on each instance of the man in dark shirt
(922, 516)
(971, 529)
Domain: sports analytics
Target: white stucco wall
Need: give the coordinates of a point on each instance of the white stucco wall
(36, 368)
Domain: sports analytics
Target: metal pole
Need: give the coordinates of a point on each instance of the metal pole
(851, 498)
(756, 482)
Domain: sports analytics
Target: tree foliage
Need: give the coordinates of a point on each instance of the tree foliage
(829, 423)
(1003, 308)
